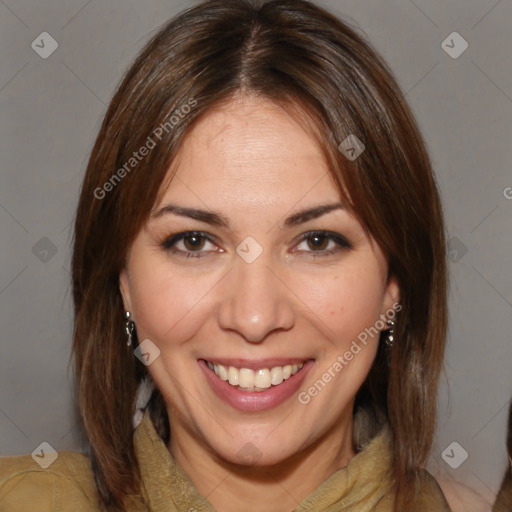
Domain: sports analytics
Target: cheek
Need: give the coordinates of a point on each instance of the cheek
(347, 302)
(168, 305)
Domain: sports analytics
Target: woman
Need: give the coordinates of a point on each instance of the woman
(260, 224)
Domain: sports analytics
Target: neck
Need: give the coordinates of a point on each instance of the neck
(274, 488)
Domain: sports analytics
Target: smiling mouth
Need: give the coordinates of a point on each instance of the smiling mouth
(246, 379)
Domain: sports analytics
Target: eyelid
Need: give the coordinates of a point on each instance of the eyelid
(171, 240)
(341, 241)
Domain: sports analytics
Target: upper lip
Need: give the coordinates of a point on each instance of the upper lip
(256, 364)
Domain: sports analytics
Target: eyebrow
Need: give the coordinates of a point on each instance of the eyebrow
(216, 219)
(312, 213)
(193, 213)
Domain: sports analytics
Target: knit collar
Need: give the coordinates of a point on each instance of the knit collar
(359, 486)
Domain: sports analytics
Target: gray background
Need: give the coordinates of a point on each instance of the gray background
(51, 110)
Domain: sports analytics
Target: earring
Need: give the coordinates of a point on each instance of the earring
(390, 338)
(129, 327)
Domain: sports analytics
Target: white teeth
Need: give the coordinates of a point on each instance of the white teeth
(223, 373)
(254, 380)
(234, 376)
(246, 378)
(276, 375)
(262, 378)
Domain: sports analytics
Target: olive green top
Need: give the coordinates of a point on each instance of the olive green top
(364, 485)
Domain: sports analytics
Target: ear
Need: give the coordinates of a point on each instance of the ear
(124, 288)
(391, 295)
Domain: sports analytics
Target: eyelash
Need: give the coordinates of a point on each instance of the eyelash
(341, 243)
(169, 244)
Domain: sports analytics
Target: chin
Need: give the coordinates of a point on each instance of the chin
(255, 453)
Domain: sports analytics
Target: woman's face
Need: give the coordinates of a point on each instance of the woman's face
(251, 262)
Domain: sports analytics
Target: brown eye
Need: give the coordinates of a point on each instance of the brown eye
(322, 243)
(317, 241)
(194, 242)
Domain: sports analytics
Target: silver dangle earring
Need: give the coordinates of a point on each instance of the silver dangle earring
(390, 338)
(129, 327)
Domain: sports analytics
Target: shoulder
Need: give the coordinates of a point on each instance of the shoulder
(67, 483)
(429, 494)
(462, 498)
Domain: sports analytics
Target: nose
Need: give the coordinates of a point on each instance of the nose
(256, 302)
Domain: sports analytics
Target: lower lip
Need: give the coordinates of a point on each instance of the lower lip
(251, 401)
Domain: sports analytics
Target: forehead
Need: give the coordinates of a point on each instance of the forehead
(251, 151)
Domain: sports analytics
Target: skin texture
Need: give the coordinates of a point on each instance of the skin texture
(462, 498)
(254, 165)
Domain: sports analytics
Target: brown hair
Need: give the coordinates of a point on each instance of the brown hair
(503, 501)
(293, 53)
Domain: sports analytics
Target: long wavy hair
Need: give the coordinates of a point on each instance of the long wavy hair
(302, 57)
